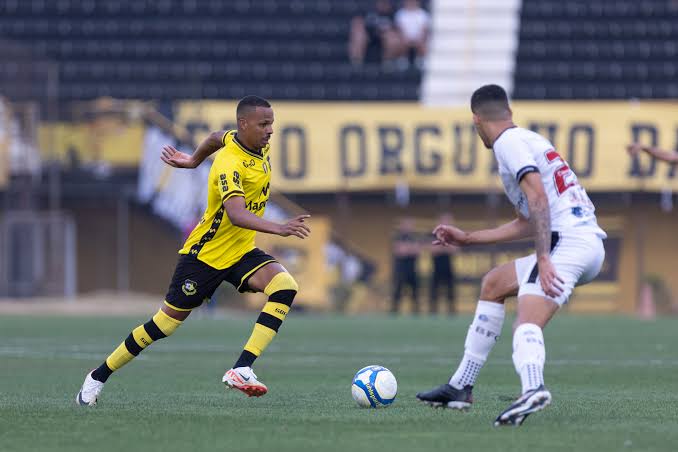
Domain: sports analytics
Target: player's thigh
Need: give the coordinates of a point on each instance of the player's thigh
(577, 259)
(499, 283)
(253, 271)
(263, 276)
(177, 315)
(192, 283)
(595, 256)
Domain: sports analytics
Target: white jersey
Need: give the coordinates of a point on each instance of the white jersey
(521, 151)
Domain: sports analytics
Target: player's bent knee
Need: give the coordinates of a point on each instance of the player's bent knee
(165, 324)
(490, 288)
(282, 281)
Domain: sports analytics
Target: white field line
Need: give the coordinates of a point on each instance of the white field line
(94, 352)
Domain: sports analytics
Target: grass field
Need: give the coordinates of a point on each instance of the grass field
(614, 382)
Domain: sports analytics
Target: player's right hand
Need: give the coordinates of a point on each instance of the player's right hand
(295, 227)
(449, 235)
(548, 277)
(176, 158)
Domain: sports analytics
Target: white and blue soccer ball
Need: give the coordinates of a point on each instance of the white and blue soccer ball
(374, 387)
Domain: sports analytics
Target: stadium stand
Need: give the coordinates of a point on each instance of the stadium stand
(597, 49)
(164, 49)
(473, 43)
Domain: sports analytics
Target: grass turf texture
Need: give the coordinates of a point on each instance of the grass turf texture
(614, 382)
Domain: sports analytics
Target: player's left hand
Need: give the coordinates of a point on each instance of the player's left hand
(549, 279)
(176, 158)
(634, 148)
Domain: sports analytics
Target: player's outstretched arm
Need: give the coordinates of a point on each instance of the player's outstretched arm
(239, 216)
(540, 217)
(659, 154)
(178, 159)
(517, 229)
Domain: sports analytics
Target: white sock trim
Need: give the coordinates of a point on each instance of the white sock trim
(490, 307)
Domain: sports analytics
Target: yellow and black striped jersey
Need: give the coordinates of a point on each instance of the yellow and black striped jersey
(236, 171)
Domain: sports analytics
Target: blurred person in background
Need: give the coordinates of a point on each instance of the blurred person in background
(660, 154)
(374, 36)
(406, 250)
(414, 24)
(442, 276)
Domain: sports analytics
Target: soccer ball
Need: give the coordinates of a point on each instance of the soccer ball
(374, 387)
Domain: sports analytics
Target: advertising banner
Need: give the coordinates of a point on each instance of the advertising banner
(326, 147)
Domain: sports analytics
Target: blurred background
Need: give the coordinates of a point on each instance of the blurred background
(373, 137)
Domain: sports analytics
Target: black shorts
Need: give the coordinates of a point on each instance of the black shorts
(194, 281)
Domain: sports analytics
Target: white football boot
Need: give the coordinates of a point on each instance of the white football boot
(89, 392)
(244, 379)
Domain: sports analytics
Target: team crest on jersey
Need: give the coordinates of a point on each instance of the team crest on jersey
(189, 287)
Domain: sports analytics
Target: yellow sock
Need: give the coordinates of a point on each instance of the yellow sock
(160, 326)
(281, 291)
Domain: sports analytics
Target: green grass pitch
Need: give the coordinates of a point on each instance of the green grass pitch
(614, 382)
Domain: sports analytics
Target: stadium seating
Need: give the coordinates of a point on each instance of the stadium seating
(597, 49)
(193, 49)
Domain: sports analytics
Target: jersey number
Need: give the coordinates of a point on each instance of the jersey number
(563, 175)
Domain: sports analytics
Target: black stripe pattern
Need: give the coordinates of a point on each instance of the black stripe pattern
(211, 232)
(269, 321)
(153, 330)
(132, 345)
(526, 170)
(285, 297)
(555, 238)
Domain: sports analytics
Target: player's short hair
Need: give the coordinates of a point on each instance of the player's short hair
(490, 102)
(249, 103)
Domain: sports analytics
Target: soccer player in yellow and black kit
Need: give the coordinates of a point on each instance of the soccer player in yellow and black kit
(221, 248)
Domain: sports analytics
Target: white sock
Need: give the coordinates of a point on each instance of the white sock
(481, 337)
(529, 355)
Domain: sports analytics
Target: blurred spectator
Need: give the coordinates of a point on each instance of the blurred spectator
(374, 36)
(442, 276)
(405, 253)
(414, 24)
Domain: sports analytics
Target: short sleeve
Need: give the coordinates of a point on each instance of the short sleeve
(515, 155)
(229, 173)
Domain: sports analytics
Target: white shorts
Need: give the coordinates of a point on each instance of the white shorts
(577, 257)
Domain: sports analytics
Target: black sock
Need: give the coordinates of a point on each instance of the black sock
(102, 373)
(246, 359)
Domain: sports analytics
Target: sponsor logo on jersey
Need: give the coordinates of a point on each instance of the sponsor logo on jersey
(254, 206)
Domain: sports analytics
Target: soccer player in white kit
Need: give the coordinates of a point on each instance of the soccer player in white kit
(553, 209)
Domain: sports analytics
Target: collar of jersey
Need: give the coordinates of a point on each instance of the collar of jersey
(502, 133)
(253, 153)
